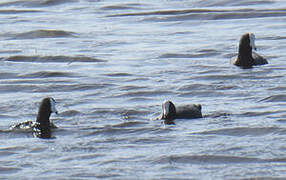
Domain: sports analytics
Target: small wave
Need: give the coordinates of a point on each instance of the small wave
(273, 37)
(12, 11)
(70, 87)
(114, 131)
(53, 2)
(199, 54)
(7, 75)
(153, 140)
(129, 128)
(139, 99)
(71, 113)
(278, 88)
(261, 178)
(10, 51)
(118, 74)
(223, 77)
(12, 148)
(82, 157)
(214, 159)
(247, 15)
(54, 59)
(133, 114)
(275, 98)
(144, 93)
(201, 94)
(38, 3)
(166, 12)
(46, 74)
(242, 131)
(255, 114)
(132, 6)
(104, 111)
(6, 153)
(16, 88)
(218, 115)
(172, 55)
(42, 87)
(9, 170)
(132, 87)
(231, 3)
(128, 124)
(207, 159)
(205, 14)
(206, 87)
(43, 34)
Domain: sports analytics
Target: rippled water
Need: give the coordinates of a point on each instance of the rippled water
(110, 65)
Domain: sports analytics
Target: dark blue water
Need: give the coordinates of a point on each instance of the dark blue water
(110, 65)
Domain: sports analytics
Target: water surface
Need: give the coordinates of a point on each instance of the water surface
(110, 65)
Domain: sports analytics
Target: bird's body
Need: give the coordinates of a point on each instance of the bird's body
(42, 127)
(246, 57)
(170, 112)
